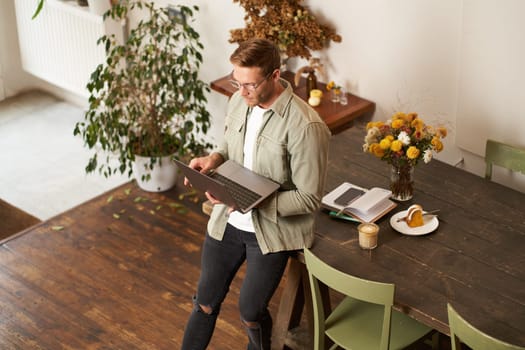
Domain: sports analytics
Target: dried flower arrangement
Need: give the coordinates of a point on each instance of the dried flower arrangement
(288, 24)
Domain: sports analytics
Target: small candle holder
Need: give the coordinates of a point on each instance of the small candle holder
(368, 234)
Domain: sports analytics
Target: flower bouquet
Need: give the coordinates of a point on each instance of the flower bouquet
(402, 142)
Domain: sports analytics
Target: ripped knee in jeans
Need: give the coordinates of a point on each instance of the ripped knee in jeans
(206, 309)
(251, 325)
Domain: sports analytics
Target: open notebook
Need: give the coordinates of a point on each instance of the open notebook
(360, 203)
(232, 184)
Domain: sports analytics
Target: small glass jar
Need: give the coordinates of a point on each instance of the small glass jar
(343, 98)
(335, 95)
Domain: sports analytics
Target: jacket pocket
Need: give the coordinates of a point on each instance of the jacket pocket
(272, 159)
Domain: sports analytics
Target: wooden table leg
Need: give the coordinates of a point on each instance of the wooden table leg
(296, 297)
(291, 304)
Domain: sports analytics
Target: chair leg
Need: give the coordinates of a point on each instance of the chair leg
(433, 340)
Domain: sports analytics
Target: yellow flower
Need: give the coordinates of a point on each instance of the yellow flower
(397, 123)
(413, 152)
(411, 117)
(385, 143)
(417, 124)
(376, 150)
(437, 144)
(441, 132)
(370, 125)
(398, 115)
(396, 146)
(331, 86)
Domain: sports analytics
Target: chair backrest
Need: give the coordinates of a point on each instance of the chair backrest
(504, 155)
(365, 290)
(463, 332)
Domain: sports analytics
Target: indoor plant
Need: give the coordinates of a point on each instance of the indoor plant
(402, 142)
(146, 99)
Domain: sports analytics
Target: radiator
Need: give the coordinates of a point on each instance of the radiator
(60, 44)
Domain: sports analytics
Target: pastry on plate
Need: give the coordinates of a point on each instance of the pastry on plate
(414, 216)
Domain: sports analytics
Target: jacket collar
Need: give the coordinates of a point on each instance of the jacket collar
(281, 103)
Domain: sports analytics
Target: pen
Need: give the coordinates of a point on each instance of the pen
(336, 215)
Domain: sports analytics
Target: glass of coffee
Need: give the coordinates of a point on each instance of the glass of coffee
(368, 235)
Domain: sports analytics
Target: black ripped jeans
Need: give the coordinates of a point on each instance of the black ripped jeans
(220, 262)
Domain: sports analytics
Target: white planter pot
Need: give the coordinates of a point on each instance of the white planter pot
(163, 177)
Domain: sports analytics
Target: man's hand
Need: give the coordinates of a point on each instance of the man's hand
(214, 201)
(205, 164)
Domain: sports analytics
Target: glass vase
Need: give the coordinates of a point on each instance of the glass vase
(402, 182)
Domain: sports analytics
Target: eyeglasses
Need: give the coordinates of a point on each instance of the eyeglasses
(248, 86)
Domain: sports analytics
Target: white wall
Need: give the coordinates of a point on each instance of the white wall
(492, 73)
(410, 55)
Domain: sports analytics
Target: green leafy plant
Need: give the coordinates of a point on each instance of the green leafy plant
(146, 99)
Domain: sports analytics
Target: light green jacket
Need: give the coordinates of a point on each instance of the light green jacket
(292, 150)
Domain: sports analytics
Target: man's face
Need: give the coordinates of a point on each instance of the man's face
(255, 88)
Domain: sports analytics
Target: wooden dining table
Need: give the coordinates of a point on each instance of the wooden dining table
(475, 259)
(83, 277)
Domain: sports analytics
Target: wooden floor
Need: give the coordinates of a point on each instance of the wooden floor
(115, 273)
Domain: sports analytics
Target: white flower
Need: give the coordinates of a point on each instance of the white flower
(372, 135)
(404, 138)
(427, 156)
(365, 147)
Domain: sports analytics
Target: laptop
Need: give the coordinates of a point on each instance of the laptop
(232, 184)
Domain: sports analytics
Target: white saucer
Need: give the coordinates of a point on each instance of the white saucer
(430, 223)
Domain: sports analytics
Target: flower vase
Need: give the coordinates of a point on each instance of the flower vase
(402, 182)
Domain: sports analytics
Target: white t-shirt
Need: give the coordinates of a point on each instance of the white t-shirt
(239, 220)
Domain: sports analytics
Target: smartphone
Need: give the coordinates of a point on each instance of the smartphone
(348, 196)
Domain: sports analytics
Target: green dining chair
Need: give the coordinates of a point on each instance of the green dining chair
(503, 155)
(463, 332)
(364, 319)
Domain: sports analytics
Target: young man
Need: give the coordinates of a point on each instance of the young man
(276, 134)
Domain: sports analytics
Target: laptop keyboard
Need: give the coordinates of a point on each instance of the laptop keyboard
(242, 195)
